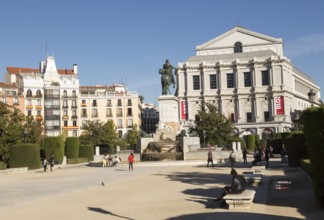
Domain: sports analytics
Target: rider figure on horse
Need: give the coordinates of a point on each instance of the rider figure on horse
(167, 77)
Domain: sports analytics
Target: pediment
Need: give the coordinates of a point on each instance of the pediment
(239, 34)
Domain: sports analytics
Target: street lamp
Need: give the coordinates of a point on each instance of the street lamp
(311, 97)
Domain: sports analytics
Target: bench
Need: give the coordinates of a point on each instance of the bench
(243, 200)
(253, 179)
(17, 170)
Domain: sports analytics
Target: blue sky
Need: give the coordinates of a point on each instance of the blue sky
(128, 41)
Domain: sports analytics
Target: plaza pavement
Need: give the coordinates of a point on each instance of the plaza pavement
(154, 190)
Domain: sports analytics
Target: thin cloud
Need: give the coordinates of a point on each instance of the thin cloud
(305, 45)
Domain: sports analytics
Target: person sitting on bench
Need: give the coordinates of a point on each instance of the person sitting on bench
(238, 185)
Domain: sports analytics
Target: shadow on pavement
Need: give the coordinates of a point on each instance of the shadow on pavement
(102, 211)
(228, 216)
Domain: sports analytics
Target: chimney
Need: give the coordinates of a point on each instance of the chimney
(75, 69)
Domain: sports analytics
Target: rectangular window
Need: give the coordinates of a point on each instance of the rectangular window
(74, 123)
(129, 102)
(232, 117)
(266, 116)
(129, 122)
(196, 82)
(84, 103)
(94, 112)
(119, 123)
(230, 80)
(109, 112)
(84, 113)
(212, 80)
(129, 112)
(29, 113)
(119, 103)
(94, 103)
(247, 79)
(120, 134)
(248, 117)
(75, 133)
(119, 112)
(65, 123)
(265, 77)
(109, 102)
(65, 113)
(16, 100)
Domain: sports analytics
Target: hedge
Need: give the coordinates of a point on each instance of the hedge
(54, 145)
(296, 149)
(313, 119)
(86, 151)
(25, 155)
(72, 147)
(250, 142)
(3, 166)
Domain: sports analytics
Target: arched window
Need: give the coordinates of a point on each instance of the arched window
(73, 93)
(64, 94)
(29, 93)
(38, 93)
(238, 48)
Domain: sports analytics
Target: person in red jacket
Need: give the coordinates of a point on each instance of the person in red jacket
(130, 161)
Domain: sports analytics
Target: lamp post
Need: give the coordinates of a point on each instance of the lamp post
(311, 97)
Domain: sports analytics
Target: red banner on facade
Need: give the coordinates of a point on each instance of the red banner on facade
(184, 110)
(280, 107)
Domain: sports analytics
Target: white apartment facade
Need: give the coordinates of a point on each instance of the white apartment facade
(246, 75)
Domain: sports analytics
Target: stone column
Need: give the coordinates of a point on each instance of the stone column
(97, 151)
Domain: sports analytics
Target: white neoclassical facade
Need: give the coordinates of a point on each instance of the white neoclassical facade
(246, 75)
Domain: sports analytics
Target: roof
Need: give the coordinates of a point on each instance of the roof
(7, 85)
(17, 70)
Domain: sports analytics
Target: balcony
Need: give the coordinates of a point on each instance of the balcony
(74, 106)
(84, 115)
(39, 107)
(84, 105)
(74, 117)
(65, 106)
(65, 117)
(52, 117)
(29, 107)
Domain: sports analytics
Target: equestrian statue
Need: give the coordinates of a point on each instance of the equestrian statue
(167, 77)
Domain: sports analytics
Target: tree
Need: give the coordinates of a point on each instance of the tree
(132, 135)
(141, 98)
(211, 126)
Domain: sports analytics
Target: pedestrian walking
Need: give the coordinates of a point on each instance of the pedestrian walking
(51, 162)
(45, 164)
(244, 155)
(210, 158)
(130, 162)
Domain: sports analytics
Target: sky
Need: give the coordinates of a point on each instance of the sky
(127, 41)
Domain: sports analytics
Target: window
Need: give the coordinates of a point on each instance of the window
(129, 102)
(119, 123)
(65, 113)
(16, 100)
(238, 48)
(94, 103)
(29, 93)
(38, 93)
(266, 116)
(29, 101)
(232, 117)
(109, 112)
(120, 134)
(248, 117)
(65, 123)
(94, 112)
(212, 80)
(74, 123)
(230, 80)
(65, 105)
(39, 112)
(75, 133)
(84, 113)
(29, 113)
(196, 82)
(119, 103)
(129, 122)
(109, 102)
(119, 112)
(64, 94)
(84, 103)
(74, 94)
(74, 113)
(247, 79)
(265, 78)
(39, 102)
(74, 104)
(129, 112)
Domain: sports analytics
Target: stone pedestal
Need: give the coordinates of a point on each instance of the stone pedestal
(169, 112)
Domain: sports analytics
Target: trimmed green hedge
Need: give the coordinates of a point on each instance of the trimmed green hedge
(250, 142)
(72, 147)
(77, 160)
(54, 145)
(3, 166)
(25, 155)
(86, 151)
(296, 149)
(313, 119)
